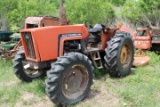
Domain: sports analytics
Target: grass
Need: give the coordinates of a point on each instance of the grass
(12, 90)
(139, 89)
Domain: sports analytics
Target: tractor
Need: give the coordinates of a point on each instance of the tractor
(69, 54)
(147, 38)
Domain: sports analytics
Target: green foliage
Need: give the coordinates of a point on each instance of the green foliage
(99, 73)
(118, 2)
(5, 7)
(14, 12)
(13, 90)
(17, 10)
(55, 2)
(131, 11)
(95, 11)
(29, 8)
(135, 10)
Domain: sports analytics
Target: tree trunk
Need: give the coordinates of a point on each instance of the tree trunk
(3, 23)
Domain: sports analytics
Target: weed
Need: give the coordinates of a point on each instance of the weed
(99, 73)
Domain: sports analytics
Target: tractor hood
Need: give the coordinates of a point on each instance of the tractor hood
(43, 44)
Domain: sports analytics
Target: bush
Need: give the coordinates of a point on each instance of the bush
(95, 11)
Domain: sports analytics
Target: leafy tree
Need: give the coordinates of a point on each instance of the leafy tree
(118, 2)
(5, 7)
(29, 8)
(142, 11)
(55, 2)
(131, 10)
(95, 11)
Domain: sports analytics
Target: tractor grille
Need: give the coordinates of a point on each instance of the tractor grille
(29, 45)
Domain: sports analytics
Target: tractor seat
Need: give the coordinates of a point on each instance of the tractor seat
(96, 29)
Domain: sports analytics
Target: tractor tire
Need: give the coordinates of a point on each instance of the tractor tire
(69, 79)
(26, 75)
(119, 55)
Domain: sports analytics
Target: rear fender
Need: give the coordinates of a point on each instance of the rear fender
(106, 36)
(126, 29)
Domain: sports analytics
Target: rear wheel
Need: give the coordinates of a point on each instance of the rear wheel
(22, 69)
(119, 54)
(69, 79)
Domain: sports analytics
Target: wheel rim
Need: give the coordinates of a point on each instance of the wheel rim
(75, 81)
(32, 73)
(126, 55)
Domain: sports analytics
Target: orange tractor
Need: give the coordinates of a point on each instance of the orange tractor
(67, 52)
(147, 38)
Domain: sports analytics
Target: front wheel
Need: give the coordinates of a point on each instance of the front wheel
(119, 54)
(69, 79)
(22, 69)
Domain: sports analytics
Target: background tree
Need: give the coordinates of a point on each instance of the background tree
(14, 12)
(118, 2)
(5, 7)
(95, 11)
(29, 8)
(142, 11)
(55, 2)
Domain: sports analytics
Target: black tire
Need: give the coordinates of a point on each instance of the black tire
(58, 89)
(117, 48)
(19, 70)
